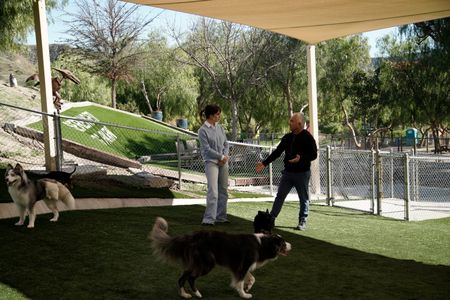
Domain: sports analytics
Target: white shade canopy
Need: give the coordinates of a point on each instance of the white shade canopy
(312, 21)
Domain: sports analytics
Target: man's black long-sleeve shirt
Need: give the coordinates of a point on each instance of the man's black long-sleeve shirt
(292, 144)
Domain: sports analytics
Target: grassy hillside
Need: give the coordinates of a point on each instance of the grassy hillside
(120, 141)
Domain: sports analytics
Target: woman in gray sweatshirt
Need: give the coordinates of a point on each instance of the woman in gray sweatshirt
(214, 149)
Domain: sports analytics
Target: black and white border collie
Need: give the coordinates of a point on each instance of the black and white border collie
(199, 252)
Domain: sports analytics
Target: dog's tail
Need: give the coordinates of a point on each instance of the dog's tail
(74, 169)
(161, 241)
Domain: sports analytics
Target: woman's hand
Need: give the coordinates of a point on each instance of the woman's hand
(223, 161)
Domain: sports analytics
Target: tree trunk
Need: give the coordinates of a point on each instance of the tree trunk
(113, 92)
(437, 142)
(287, 94)
(234, 119)
(144, 91)
(357, 143)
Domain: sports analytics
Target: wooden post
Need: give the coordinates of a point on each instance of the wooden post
(43, 55)
(313, 116)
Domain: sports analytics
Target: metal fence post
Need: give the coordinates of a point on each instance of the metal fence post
(407, 194)
(58, 142)
(179, 161)
(270, 175)
(330, 197)
(416, 183)
(372, 184)
(379, 184)
(391, 171)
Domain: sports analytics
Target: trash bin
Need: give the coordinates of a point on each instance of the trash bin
(411, 136)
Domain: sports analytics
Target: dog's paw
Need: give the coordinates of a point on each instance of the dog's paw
(30, 226)
(245, 295)
(197, 294)
(249, 282)
(53, 220)
(19, 224)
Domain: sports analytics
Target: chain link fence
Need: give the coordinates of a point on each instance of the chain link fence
(391, 184)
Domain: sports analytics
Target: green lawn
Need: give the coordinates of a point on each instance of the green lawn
(104, 254)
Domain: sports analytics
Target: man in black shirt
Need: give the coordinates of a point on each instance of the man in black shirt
(299, 149)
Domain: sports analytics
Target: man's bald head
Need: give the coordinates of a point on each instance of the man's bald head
(297, 122)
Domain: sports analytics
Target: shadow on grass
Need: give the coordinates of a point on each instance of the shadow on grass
(104, 254)
(110, 186)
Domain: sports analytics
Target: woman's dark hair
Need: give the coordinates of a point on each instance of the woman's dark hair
(210, 109)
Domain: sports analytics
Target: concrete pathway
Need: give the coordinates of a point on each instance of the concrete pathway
(9, 210)
(396, 209)
(391, 208)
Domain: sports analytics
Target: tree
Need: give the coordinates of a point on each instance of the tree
(170, 85)
(289, 73)
(417, 75)
(106, 38)
(17, 20)
(338, 61)
(230, 55)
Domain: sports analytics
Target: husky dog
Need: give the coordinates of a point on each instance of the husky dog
(199, 252)
(25, 193)
(263, 222)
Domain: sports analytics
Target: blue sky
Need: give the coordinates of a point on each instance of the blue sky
(56, 30)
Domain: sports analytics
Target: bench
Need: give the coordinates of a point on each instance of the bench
(189, 152)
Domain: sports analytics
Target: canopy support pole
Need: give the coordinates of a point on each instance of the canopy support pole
(313, 115)
(43, 55)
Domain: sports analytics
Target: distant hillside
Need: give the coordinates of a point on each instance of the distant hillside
(55, 51)
(17, 64)
(22, 65)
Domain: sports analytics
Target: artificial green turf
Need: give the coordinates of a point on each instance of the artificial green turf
(7, 293)
(104, 254)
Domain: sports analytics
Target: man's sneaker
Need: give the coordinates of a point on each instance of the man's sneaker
(301, 225)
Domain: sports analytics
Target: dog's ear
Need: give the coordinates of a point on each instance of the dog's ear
(267, 211)
(18, 167)
(9, 167)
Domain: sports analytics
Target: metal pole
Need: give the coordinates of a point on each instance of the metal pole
(379, 172)
(372, 183)
(407, 194)
(416, 179)
(179, 161)
(270, 175)
(392, 172)
(58, 142)
(379, 182)
(329, 177)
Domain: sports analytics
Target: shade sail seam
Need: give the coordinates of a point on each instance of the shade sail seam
(359, 21)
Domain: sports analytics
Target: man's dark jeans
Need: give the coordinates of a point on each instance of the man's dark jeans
(288, 180)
